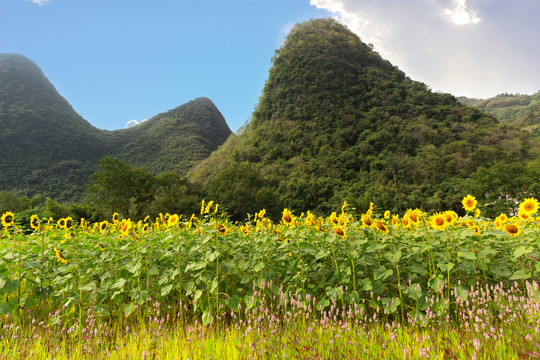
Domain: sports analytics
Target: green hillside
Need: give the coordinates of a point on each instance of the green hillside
(520, 110)
(47, 148)
(337, 122)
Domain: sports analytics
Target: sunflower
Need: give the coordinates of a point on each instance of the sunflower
(244, 229)
(68, 223)
(413, 215)
(103, 226)
(7, 219)
(35, 222)
(370, 210)
(503, 218)
(498, 222)
(450, 217)
(310, 219)
(395, 220)
(61, 223)
(115, 218)
(469, 203)
(512, 229)
(125, 226)
(387, 214)
(477, 212)
(59, 256)
(222, 230)
(333, 218)
(339, 232)
(288, 217)
(173, 220)
(366, 220)
(379, 225)
(529, 206)
(343, 207)
(438, 221)
(145, 227)
(523, 215)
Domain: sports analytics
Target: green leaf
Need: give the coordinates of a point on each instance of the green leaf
(213, 285)
(207, 317)
(7, 307)
(522, 250)
(462, 292)
(258, 267)
(91, 286)
(382, 273)
(366, 284)
(119, 284)
(233, 302)
(391, 305)
(196, 266)
(322, 254)
(520, 274)
(129, 308)
(418, 269)
(166, 289)
(468, 255)
(394, 257)
(322, 304)
(134, 268)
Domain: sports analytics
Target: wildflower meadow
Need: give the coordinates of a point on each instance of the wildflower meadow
(358, 283)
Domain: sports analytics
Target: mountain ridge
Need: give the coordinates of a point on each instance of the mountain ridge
(42, 136)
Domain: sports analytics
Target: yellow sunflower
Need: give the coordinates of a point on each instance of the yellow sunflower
(512, 229)
(35, 222)
(387, 214)
(379, 225)
(115, 218)
(339, 232)
(173, 220)
(438, 221)
(333, 218)
(523, 215)
(222, 229)
(366, 220)
(7, 219)
(60, 257)
(103, 226)
(503, 218)
(288, 217)
(529, 206)
(395, 220)
(469, 203)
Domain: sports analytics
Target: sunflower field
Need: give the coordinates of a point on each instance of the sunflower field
(214, 265)
(403, 268)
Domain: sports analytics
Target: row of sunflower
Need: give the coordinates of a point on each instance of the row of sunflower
(411, 220)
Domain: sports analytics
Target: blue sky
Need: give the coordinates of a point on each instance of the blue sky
(117, 60)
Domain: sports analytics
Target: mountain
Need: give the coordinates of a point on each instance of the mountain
(47, 148)
(337, 122)
(520, 110)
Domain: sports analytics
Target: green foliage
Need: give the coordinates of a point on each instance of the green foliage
(520, 110)
(47, 148)
(336, 121)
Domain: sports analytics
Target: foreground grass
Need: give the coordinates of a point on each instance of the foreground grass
(295, 341)
(493, 323)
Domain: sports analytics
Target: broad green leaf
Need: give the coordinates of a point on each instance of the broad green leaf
(213, 285)
(394, 257)
(520, 274)
(322, 304)
(259, 266)
(418, 269)
(322, 254)
(366, 284)
(91, 286)
(119, 284)
(382, 273)
(391, 305)
(233, 302)
(522, 250)
(129, 308)
(166, 289)
(207, 317)
(462, 292)
(7, 307)
(468, 255)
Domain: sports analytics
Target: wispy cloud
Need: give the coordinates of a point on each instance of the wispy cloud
(132, 123)
(476, 48)
(40, 2)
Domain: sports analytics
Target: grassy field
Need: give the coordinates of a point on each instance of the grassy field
(368, 285)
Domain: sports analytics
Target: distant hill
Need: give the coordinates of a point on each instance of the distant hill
(337, 122)
(520, 110)
(47, 148)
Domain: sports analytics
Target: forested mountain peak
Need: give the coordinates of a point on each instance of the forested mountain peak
(47, 148)
(337, 122)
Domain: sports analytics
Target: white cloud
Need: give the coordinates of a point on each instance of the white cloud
(476, 48)
(460, 15)
(131, 123)
(40, 2)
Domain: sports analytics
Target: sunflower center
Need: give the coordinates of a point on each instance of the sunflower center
(439, 221)
(529, 206)
(287, 218)
(512, 229)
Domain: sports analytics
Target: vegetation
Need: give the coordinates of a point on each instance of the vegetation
(47, 148)
(520, 110)
(169, 283)
(336, 121)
